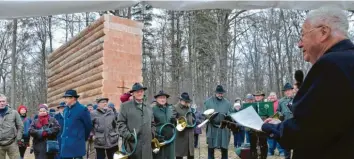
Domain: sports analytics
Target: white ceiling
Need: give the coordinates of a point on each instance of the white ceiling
(29, 8)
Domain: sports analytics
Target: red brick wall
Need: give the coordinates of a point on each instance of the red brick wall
(98, 60)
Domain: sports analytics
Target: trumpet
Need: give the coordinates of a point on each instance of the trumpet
(182, 122)
(157, 144)
(124, 154)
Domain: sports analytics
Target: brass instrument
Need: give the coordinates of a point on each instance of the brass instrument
(157, 144)
(209, 114)
(182, 122)
(124, 154)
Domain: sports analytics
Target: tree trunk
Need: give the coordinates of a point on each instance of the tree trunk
(87, 18)
(50, 33)
(13, 64)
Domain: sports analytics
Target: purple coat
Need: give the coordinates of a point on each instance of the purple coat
(199, 117)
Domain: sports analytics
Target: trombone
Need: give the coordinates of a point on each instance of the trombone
(182, 121)
(124, 154)
(157, 144)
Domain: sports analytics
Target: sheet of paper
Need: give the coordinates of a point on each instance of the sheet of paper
(249, 118)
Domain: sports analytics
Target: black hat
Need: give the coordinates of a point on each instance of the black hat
(259, 93)
(185, 97)
(162, 93)
(219, 89)
(136, 87)
(101, 99)
(71, 93)
(61, 104)
(287, 86)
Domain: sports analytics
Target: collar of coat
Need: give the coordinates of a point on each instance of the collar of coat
(103, 111)
(183, 106)
(73, 105)
(345, 44)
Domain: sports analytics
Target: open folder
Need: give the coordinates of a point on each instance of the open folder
(249, 118)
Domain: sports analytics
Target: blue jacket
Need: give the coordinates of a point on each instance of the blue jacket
(323, 123)
(76, 130)
(26, 126)
(60, 120)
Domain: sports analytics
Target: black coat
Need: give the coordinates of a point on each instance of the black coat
(39, 142)
(323, 125)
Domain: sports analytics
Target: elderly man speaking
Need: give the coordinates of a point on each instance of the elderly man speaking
(316, 130)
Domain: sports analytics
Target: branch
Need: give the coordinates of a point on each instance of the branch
(237, 14)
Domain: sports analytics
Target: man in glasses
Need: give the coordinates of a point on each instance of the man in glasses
(316, 131)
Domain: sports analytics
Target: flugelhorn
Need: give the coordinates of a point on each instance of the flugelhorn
(209, 114)
(157, 144)
(124, 154)
(182, 121)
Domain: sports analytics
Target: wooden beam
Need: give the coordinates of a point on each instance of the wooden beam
(70, 62)
(66, 46)
(59, 92)
(67, 81)
(89, 60)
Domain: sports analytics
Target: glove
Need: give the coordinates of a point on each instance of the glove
(224, 123)
(233, 127)
(44, 134)
(20, 143)
(160, 138)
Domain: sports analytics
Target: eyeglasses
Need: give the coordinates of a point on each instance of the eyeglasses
(306, 33)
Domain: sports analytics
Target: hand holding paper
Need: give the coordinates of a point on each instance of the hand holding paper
(249, 118)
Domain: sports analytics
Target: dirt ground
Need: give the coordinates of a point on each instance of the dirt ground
(203, 151)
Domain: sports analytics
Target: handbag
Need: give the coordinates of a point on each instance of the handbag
(52, 146)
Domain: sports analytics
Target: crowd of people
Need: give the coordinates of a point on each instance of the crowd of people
(300, 130)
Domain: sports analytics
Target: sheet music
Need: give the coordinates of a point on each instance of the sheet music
(249, 118)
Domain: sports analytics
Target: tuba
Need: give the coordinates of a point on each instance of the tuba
(156, 144)
(124, 154)
(182, 121)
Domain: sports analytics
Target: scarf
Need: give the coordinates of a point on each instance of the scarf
(42, 120)
(3, 111)
(23, 116)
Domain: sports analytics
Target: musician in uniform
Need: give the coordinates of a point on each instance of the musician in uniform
(134, 114)
(184, 139)
(285, 109)
(218, 138)
(259, 137)
(163, 114)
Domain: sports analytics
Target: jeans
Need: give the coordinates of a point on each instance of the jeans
(247, 135)
(196, 137)
(101, 153)
(239, 138)
(224, 153)
(273, 144)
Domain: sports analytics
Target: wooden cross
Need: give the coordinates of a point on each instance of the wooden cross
(123, 87)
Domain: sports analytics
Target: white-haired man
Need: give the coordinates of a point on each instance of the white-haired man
(11, 130)
(316, 131)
